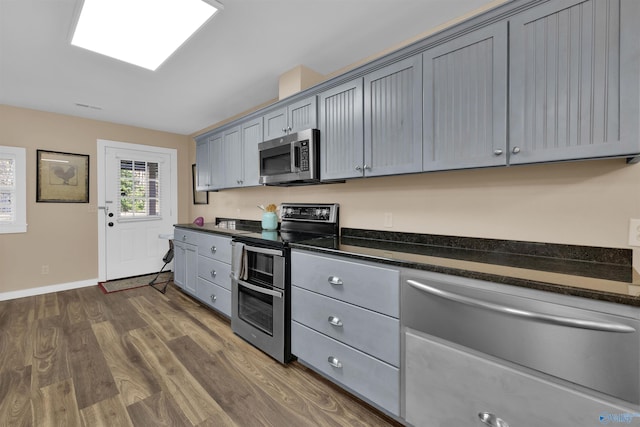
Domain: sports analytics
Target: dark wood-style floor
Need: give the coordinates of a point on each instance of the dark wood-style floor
(140, 358)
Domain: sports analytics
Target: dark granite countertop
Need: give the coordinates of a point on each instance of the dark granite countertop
(604, 274)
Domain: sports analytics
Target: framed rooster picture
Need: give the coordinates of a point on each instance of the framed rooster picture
(62, 177)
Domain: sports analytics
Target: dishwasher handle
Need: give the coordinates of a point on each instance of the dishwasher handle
(540, 317)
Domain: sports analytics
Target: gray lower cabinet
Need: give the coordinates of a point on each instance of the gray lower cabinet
(465, 101)
(574, 87)
(448, 386)
(345, 324)
(297, 116)
(202, 265)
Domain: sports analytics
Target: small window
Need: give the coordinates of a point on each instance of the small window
(13, 190)
(139, 190)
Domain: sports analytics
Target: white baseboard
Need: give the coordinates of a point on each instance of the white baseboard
(47, 289)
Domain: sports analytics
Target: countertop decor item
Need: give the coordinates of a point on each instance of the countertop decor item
(269, 218)
(199, 221)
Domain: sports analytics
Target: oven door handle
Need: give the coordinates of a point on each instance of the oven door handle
(261, 290)
(264, 251)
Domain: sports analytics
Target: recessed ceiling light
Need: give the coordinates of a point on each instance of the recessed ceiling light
(142, 32)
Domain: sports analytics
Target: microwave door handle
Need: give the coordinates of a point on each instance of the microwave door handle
(261, 290)
(295, 158)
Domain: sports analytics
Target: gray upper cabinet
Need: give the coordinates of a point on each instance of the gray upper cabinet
(393, 119)
(294, 117)
(232, 154)
(216, 161)
(203, 169)
(465, 101)
(251, 137)
(341, 123)
(574, 86)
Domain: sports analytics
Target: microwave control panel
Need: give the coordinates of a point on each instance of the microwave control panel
(304, 155)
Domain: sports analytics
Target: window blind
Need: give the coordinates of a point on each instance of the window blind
(140, 195)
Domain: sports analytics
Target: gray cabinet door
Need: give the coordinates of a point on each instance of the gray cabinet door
(179, 264)
(465, 101)
(275, 124)
(233, 157)
(216, 162)
(203, 167)
(302, 115)
(574, 87)
(393, 119)
(251, 137)
(341, 131)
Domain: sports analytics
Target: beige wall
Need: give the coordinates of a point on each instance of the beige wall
(584, 203)
(64, 236)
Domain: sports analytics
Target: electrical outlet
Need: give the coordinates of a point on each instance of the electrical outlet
(634, 232)
(45, 269)
(388, 219)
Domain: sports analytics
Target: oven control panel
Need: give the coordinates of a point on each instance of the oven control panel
(309, 212)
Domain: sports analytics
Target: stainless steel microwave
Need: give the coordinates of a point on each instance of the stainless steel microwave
(291, 159)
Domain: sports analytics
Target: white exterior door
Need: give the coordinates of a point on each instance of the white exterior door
(138, 205)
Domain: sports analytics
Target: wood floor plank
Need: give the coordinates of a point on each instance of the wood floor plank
(92, 378)
(15, 402)
(175, 380)
(50, 364)
(71, 308)
(16, 335)
(110, 412)
(122, 314)
(47, 305)
(157, 410)
(132, 375)
(55, 405)
(155, 318)
(93, 304)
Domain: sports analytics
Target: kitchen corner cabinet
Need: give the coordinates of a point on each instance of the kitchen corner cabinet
(574, 86)
(448, 386)
(299, 115)
(465, 101)
(372, 126)
(345, 324)
(185, 260)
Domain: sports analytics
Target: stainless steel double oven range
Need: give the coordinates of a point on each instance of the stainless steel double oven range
(261, 275)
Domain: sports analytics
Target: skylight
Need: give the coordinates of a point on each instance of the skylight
(141, 32)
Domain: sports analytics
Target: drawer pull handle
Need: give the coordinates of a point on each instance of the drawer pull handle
(184, 238)
(213, 249)
(491, 420)
(213, 298)
(213, 273)
(337, 364)
(335, 321)
(533, 316)
(334, 280)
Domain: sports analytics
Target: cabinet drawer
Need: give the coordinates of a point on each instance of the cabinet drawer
(371, 287)
(215, 247)
(446, 386)
(214, 271)
(369, 377)
(214, 296)
(370, 332)
(185, 236)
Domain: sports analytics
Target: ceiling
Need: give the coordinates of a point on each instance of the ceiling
(229, 66)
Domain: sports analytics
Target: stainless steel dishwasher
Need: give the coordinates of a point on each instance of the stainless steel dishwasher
(586, 347)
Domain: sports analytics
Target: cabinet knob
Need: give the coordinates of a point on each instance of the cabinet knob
(358, 168)
(214, 298)
(335, 321)
(334, 280)
(213, 249)
(213, 273)
(367, 167)
(284, 130)
(497, 152)
(289, 128)
(515, 150)
(491, 420)
(184, 238)
(337, 364)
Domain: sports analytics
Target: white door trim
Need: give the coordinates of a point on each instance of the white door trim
(101, 172)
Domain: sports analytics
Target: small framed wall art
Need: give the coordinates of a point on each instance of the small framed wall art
(62, 177)
(199, 197)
